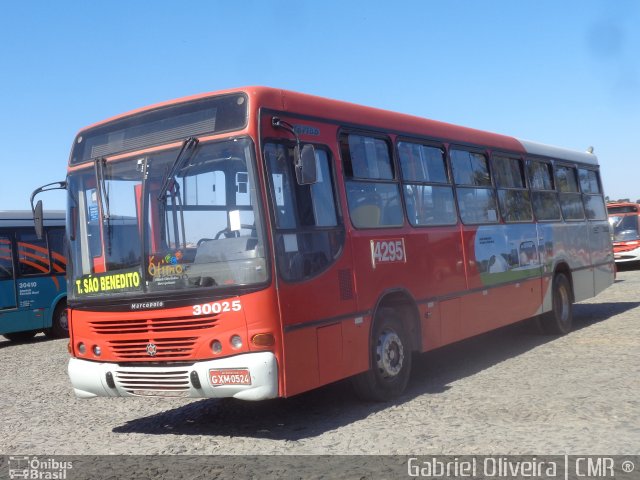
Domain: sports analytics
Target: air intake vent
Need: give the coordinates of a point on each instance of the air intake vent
(345, 280)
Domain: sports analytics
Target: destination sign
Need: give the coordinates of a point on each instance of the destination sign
(122, 281)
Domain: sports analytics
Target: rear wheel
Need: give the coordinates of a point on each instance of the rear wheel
(390, 353)
(560, 319)
(59, 323)
(20, 336)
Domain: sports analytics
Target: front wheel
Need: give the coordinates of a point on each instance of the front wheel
(59, 322)
(390, 353)
(560, 319)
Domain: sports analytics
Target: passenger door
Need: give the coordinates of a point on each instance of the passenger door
(35, 283)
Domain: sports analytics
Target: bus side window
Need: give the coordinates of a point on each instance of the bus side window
(570, 198)
(33, 256)
(57, 249)
(372, 189)
(513, 197)
(476, 197)
(6, 258)
(427, 192)
(592, 195)
(309, 235)
(544, 199)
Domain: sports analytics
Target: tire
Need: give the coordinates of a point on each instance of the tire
(20, 336)
(390, 360)
(59, 322)
(560, 319)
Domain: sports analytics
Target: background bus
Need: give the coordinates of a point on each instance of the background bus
(624, 218)
(33, 289)
(257, 243)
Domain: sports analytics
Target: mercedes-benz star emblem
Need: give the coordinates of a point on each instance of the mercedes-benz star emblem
(152, 349)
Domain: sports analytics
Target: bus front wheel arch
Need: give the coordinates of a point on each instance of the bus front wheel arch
(390, 360)
(59, 322)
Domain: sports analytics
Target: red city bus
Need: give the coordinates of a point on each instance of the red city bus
(624, 218)
(256, 243)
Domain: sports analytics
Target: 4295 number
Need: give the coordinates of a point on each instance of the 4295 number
(388, 251)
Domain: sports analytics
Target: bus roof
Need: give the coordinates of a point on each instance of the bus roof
(24, 218)
(363, 116)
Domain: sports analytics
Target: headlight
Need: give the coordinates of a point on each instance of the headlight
(236, 341)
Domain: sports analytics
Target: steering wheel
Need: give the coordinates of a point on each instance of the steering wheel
(236, 233)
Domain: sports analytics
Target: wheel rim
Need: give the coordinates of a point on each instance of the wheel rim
(389, 354)
(64, 321)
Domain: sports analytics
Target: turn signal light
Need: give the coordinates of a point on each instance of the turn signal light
(263, 340)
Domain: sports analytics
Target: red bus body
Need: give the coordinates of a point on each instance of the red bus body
(625, 221)
(442, 282)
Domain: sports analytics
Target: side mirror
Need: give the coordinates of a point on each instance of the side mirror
(38, 220)
(305, 163)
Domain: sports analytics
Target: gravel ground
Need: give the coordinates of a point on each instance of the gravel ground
(509, 391)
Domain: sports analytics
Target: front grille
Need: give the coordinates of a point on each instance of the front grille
(168, 381)
(163, 348)
(152, 325)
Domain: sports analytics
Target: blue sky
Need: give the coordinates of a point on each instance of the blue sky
(565, 73)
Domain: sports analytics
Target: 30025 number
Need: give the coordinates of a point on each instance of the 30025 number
(217, 307)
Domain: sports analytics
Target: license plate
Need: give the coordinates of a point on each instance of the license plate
(228, 376)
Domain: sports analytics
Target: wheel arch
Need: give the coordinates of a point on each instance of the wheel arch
(61, 298)
(563, 267)
(403, 303)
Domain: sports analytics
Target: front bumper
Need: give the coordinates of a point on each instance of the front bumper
(95, 379)
(627, 256)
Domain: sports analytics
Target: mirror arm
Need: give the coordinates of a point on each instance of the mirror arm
(45, 188)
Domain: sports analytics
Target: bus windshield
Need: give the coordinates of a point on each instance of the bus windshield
(204, 230)
(625, 227)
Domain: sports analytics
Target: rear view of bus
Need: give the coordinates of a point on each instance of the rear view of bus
(624, 218)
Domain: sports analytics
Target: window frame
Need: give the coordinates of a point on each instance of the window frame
(586, 195)
(277, 231)
(9, 234)
(486, 154)
(409, 182)
(45, 238)
(495, 155)
(551, 171)
(557, 164)
(287, 143)
(349, 178)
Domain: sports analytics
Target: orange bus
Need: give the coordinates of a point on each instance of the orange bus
(256, 243)
(624, 218)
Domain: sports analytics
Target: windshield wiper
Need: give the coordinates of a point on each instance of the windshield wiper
(188, 147)
(103, 198)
